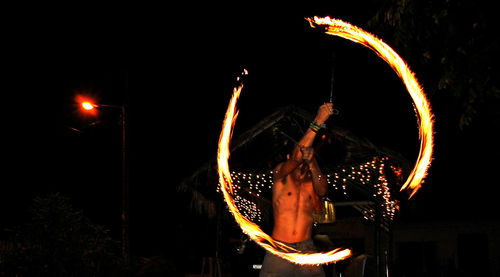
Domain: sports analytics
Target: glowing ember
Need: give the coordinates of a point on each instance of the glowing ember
(345, 30)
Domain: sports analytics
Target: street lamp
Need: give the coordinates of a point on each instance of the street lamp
(87, 106)
(90, 107)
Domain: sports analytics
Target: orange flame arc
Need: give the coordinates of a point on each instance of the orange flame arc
(345, 30)
(247, 226)
(355, 34)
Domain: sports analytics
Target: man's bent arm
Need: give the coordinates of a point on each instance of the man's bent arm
(306, 141)
(318, 179)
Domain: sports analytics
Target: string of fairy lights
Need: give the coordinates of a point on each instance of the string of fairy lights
(370, 176)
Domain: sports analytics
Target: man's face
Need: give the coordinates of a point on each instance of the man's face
(301, 171)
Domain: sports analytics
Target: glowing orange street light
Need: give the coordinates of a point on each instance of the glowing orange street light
(87, 106)
(90, 107)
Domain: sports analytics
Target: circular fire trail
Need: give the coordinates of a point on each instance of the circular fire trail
(345, 30)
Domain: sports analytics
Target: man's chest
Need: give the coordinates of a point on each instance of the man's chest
(291, 193)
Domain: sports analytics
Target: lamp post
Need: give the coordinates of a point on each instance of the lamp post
(89, 106)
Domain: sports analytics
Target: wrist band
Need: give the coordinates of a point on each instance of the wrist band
(315, 127)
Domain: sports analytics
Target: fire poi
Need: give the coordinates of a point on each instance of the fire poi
(345, 30)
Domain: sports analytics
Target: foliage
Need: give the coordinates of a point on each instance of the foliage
(58, 241)
(452, 44)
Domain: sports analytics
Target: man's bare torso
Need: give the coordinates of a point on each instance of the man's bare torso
(294, 200)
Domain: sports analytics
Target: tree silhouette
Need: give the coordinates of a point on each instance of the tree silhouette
(58, 241)
(453, 45)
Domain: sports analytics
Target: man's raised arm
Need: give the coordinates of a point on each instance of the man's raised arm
(305, 142)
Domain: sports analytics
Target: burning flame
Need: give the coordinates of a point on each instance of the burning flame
(345, 30)
(247, 226)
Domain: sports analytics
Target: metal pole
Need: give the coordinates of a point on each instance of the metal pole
(377, 241)
(332, 80)
(125, 193)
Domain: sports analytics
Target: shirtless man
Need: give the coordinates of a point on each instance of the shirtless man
(297, 192)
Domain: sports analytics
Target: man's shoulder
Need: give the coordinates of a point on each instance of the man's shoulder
(277, 168)
(277, 176)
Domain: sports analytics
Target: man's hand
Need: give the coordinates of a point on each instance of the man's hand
(307, 154)
(324, 112)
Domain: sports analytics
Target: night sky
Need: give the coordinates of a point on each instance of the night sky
(175, 70)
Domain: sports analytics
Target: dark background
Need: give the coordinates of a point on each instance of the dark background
(175, 68)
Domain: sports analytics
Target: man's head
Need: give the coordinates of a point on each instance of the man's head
(301, 171)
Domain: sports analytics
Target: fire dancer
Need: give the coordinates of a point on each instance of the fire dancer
(297, 192)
